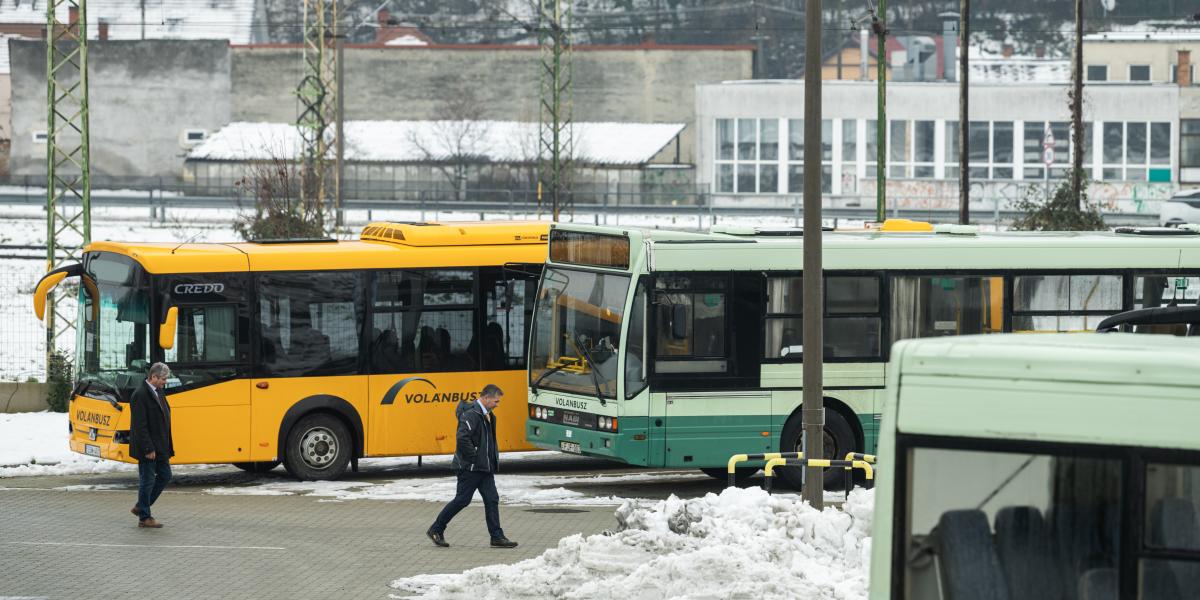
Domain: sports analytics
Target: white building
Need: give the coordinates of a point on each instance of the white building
(750, 140)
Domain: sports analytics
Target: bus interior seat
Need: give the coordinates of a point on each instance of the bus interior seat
(1173, 525)
(1083, 545)
(1098, 584)
(1028, 555)
(969, 566)
(493, 346)
(385, 352)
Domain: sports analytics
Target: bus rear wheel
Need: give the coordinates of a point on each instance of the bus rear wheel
(740, 474)
(257, 467)
(838, 442)
(317, 447)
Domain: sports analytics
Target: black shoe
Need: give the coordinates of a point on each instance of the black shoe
(439, 540)
(503, 542)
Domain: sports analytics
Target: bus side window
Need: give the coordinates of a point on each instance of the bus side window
(934, 305)
(310, 323)
(424, 321)
(508, 308)
(692, 324)
(1050, 303)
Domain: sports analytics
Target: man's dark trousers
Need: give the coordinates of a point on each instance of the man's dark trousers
(153, 476)
(468, 482)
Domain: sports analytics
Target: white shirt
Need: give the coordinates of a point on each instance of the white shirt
(485, 410)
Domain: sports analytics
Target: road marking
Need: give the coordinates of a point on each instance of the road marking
(141, 546)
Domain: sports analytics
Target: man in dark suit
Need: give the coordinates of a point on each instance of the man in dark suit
(150, 441)
(477, 459)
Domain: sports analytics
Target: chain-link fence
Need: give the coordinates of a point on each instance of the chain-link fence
(22, 335)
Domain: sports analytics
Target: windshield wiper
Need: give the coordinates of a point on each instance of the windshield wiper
(591, 368)
(109, 395)
(547, 373)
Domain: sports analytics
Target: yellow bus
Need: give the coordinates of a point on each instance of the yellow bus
(312, 353)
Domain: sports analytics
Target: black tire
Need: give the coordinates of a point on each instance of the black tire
(740, 475)
(839, 441)
(318, 447)
(257, 467)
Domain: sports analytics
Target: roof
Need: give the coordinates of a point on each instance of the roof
(426, 244)
(1165, 36)
(1019, 70)
(994, 385)
(439, 141)
(675, 250)
(231, 20)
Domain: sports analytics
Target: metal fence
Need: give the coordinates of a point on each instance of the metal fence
(23, 354)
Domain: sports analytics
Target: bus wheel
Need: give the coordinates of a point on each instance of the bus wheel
(839, 441)
(257, 467)
(318, 447)
(740, 474)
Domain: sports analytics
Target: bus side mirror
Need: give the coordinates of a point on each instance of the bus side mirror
(678, 321)
(166, 331)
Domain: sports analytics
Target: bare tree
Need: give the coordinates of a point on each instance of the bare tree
(455, 142)
(278, 210)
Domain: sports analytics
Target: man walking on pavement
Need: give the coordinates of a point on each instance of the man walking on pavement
(477, 460)
(150, 441)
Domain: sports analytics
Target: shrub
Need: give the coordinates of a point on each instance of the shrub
(60, 380)
(1059, 213)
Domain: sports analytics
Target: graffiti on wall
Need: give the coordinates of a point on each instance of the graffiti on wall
(918, 194)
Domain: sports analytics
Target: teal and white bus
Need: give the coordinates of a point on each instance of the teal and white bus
(1055, 467)
(675, 349)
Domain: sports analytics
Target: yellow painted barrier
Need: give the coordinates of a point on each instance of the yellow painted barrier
(817, 462)
(737, 458)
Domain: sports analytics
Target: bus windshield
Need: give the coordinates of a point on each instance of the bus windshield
(113, 349)
(577, 325)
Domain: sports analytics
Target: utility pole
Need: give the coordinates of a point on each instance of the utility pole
(813, 411)
(339, 36)
(1077, 109)
(879, 25)
(143, 3)
(555, 144)
(318, 106)
(68, 172)
(964, 122)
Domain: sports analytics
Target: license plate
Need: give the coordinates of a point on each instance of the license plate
(91, 450)
(571, 447)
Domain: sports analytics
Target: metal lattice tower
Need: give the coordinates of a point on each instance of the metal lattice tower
(68, 189)
(555, 147)
(318, 105)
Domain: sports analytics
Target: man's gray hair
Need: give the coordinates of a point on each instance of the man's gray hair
(491, 389)
(159, 370)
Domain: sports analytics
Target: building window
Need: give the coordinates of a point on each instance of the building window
(1139, 72)
(796, 156)
(1189, 143)
(952, 156)
(747, 156)
(899, 153)
(991, 151)
(871, 141)
(849, 174)
(923, 147)
(1097, 72)
(1137, 151)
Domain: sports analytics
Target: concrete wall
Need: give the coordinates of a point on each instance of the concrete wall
(25, 397)
(640, 84)
(143, 95)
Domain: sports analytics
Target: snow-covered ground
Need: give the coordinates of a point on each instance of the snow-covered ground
(742, 543)
(36, 444)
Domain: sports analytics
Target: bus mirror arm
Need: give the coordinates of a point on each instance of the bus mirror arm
(166, 331)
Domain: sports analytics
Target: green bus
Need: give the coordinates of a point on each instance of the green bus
(1039, 467)
(678, 349)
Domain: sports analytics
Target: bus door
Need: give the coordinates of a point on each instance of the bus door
(309, 333)
(707, 363)
(204, 333)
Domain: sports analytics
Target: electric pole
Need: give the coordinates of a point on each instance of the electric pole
(1077, 109)
(318, 106)
(813, 411)
(555, 144)
(68, 173)
(879, 26)
(964, 123)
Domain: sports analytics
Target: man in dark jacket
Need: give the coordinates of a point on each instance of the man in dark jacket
(477, 459)
(150, 441)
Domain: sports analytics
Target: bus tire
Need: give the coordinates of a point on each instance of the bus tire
(257, 467)
(318, 448)
(839, 441)
(740, 474)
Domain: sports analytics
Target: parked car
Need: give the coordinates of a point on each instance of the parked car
(1183, 207)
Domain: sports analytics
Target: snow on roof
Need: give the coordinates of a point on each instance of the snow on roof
(406, 40)
(231, 20)
(1019, 70)
(433, 141)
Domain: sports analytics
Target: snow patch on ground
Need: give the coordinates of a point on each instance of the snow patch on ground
(36, 444)
(742, 543)
(531, 490)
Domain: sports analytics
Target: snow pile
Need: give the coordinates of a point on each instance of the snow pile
(742, 543)
(36, 444)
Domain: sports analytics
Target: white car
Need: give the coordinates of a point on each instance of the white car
(1183, 207)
